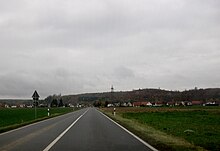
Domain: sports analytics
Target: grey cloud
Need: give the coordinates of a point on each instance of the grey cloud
(123, 73)
(86, 46)
(15, 84)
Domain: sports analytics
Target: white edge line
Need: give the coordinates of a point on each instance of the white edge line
(63, 133)
(135, 136)
(35, 123)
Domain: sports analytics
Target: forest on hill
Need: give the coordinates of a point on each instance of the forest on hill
(151, 95)
(140, 95)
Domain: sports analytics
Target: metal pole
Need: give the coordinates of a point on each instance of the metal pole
(35, 97)
(35, 109)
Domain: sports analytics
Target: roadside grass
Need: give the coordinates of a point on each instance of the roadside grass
(201, 128)
(173, 128)
(14, 118)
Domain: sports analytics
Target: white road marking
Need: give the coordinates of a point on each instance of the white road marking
(63, 133)
(135, 136)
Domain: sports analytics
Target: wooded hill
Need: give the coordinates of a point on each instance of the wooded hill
(151, 95)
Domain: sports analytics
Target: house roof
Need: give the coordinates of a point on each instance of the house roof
(171, 102)
(197, 102)
(139, 103)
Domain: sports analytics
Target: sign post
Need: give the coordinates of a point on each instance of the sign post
(35, 97)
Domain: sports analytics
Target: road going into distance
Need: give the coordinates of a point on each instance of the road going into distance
(82, 130)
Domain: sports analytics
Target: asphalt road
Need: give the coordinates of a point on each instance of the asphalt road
(83, 130)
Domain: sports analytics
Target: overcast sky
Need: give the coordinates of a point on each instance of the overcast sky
(78, 46)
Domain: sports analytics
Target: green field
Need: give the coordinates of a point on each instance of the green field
(175, 128)
(201, 128)
(13, 118)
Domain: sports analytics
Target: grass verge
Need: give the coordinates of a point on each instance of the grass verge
(157, 138)
(200, 127)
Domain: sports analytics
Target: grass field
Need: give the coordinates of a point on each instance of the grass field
(194, 128)
(13, 118)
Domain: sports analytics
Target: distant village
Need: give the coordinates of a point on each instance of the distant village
(160, 104)
(112, 104)
(135, 98)
(32, 105)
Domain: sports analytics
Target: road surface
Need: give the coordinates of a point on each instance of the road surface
(83, 130)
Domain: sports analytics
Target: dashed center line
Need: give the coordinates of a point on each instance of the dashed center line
(63, 133)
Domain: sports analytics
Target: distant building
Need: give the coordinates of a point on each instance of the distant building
(211, 104)
(1, 105)
(117, 104)
(138, 104)
(197, 102)
(7, 106)
(110, 105)
(22, 106)
(149, 104)
(124, 104)
(187, 103)
(159, 103)
(129, 104)
(70, 105)
(172, 103)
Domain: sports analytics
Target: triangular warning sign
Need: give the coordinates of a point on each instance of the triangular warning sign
(35, 96)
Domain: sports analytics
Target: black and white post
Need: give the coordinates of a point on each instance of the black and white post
(114, 112)
(48, 112)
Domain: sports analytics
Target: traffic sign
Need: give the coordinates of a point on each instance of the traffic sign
(35, 96)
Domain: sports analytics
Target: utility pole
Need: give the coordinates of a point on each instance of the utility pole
(112, 89)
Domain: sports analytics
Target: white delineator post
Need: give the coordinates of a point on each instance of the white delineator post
(48, 112)
(114, 111)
